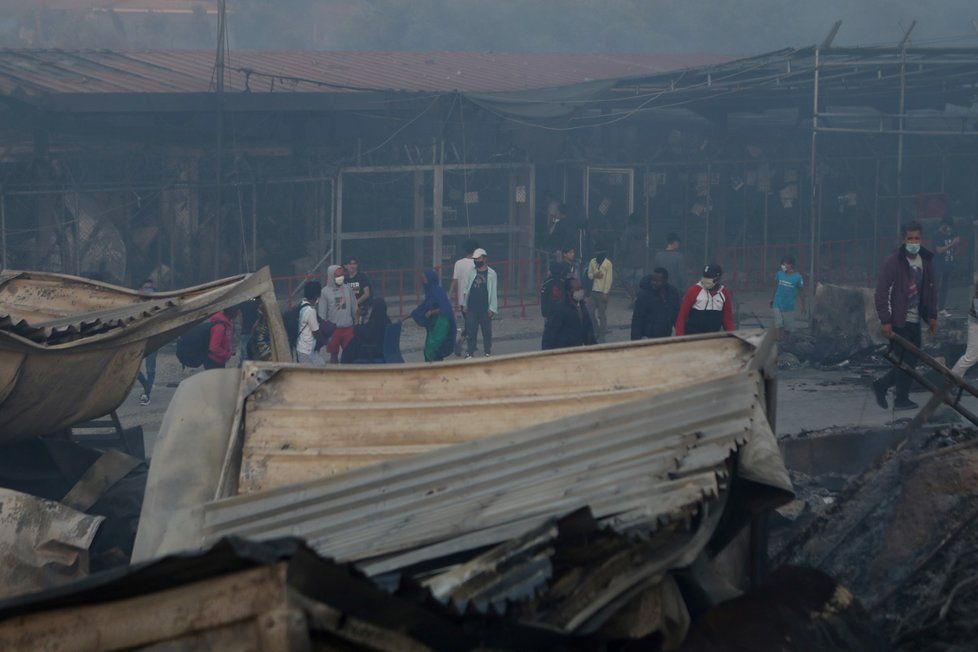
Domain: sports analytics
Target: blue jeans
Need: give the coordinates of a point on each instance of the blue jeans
(147, 380)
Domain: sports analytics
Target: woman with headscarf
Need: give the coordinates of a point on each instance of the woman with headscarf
(368, 337)
(435, 314)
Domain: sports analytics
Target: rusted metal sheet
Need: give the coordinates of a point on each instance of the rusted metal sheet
(302, 423)
(636, 465)
(45, 72)
(43, 544)
(70, 348)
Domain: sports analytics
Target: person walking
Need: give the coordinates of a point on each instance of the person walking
(461, 270)
(906, 297)
(568, 256)
(707, 306)
(787, 292)
(146, 288)
(673, 260)
(656, 306)
(570, 323)
(219, 348)
(437, 316)
(552, 290)
(309, 332)
(368, 338)
(946, 250)
(970, 356)
(338, 308)
(601, 272)
(358, 282)
(479, 303)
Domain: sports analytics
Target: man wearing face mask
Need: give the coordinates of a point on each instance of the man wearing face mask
(569, 323)
(707, 306)
(338, 307)
(479, 303)
(906, 297)
(600, 271)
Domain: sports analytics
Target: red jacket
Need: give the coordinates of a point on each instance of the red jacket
(703, 311)
(219, 347)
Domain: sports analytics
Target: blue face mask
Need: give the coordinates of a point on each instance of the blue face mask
(913, 248)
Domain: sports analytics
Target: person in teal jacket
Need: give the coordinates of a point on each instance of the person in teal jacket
(479, 303)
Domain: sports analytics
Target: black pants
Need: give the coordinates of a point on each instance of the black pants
(902, 380)
(210, 364)
(943, 285)
(474, 320)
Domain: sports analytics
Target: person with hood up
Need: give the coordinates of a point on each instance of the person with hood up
(906, 297)
(368, 337)
(570, 323)
(338, 306)
(656, 306)
(436, 315)
(707, 306)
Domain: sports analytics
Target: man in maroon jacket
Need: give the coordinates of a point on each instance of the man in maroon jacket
(906, 297)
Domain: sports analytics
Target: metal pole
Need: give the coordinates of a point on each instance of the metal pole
(219, 75)
(876, 217)
(3, 230)
(812, 266)
(903, 94)
(254, 227)
(765, 255)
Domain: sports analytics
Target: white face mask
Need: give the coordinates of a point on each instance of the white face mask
(708, 283)
(578, 295)
(913, 248)
(339, 279)
(784, 268)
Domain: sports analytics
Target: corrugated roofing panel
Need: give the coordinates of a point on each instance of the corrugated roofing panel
(55, 71)
(635, 465)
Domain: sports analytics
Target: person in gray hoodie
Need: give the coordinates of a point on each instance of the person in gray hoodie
(338, 307)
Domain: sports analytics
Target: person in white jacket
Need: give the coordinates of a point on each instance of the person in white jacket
(479, 303)
(970, 357)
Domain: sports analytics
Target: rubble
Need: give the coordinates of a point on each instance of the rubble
(903, 536)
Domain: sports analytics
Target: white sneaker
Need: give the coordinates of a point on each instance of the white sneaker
(488, 355)
(945, 313)
(143, 399)
(468, 356)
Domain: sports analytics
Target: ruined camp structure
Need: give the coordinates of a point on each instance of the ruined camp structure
(397, 157)
(70, 348)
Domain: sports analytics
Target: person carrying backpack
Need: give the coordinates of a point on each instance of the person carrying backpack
(219, 347)
(552, 290)
(308, 332)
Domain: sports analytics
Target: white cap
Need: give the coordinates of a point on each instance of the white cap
(479, 253)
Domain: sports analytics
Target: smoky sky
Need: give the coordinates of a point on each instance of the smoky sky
(678, 26)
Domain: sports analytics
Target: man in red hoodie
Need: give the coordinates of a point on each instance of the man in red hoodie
(707, 306)
(219, 348)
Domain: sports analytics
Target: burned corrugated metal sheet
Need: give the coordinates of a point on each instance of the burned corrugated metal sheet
(70, 348)
(303, 423)
(34, 73)
(637, 466)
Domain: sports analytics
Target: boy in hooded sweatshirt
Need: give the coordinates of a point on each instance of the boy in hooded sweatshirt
(338, 306)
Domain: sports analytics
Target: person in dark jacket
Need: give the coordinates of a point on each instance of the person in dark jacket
(552, 290)
(656, 306)
(569, 323)
(437, 316)
(906, 298)
(368, 337)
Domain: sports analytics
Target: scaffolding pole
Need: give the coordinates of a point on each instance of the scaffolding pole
(812, 263)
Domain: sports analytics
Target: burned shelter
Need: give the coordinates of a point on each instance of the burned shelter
(126, 164)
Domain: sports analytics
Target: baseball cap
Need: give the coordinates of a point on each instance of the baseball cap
(479, 253)
(712, 271)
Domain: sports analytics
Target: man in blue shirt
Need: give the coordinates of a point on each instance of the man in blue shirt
(786, 293)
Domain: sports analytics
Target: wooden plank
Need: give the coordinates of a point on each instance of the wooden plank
(150, 618)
